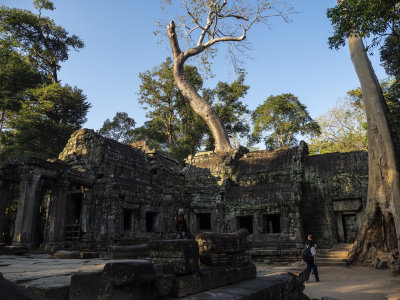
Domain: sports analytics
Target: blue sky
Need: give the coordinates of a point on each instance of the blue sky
(119, 43)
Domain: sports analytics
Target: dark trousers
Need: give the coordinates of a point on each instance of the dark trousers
(312, 266)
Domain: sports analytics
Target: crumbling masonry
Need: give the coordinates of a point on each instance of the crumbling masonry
(100, 193)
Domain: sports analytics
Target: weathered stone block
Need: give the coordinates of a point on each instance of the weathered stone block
(225, 259)
(223, 243)
(11, 290)
(121, 252)
(187, 285)
(179, 266)
(63, 254)
(213, 277)
(182, 255)
(117, 281)
(51, 288)
(241, 272)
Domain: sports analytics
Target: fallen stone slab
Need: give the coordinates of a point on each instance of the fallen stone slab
(270, 287)
(63, 254)
(90, 255)
(135, 279)
(51, 288)
(187, 285)
(134, 251)
(10, 290)
(182, 255)
(223, 243)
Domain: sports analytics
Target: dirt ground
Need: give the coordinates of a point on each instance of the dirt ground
(354, 283)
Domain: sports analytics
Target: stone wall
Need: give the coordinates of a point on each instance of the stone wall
(134, 195)
(100, 193)
(260, 191)
(335, 186)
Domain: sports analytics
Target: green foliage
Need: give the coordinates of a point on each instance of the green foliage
(16, 75)
(343, 127)
(43, 125)
(121, 128)
(164, 102)
(279, 119)
(366, 18)
(231, 110)
(46, 43)
(391, 94)
(173, 126)
(37, 117)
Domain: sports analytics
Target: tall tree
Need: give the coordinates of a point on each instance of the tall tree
(214, 22)
(44, 123)
(343, 129)
(380, 233)
(121, 128)
(16, 75)
(164, 102)
(45, 42)
(280, 118)
(231, 109)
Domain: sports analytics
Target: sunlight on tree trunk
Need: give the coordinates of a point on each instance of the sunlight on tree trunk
(380, 232)
(201, 107)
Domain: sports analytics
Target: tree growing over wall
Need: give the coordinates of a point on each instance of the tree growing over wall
(352, 20)
(180, 131)
(207, 24)
(279, 119)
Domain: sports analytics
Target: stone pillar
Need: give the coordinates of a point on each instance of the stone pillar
(57, 211)
(27, 202)
(4, 191)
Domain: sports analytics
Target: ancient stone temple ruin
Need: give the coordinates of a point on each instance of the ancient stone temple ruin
(100, 193)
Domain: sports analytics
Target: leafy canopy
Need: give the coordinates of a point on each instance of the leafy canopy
(121, 128)
(46, 43)
(374, 19)
(279, 119)
(343, 128)
(45, 121)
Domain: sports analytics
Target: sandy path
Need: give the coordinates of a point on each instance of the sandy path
(355, 283)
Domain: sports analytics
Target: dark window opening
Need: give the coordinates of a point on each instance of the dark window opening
(151, 221)
(204, 221)
(245, 222)
(272, 223)
(74, 209)
(128, 219)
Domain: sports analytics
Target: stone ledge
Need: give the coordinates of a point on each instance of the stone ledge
(275, 286)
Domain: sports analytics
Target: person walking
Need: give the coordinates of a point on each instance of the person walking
(309, 257)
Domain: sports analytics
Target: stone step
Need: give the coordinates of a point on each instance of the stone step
(334, 254)
(342, 246)
(331, 261)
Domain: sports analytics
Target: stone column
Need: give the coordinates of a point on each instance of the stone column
(4, 191)
(57, 211)
(27, 202)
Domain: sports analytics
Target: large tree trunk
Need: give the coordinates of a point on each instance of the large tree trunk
(199, 105)
(379, 236)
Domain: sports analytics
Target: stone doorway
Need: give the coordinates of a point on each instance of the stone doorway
(349, 227)
(73, 218)
(245, 222)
